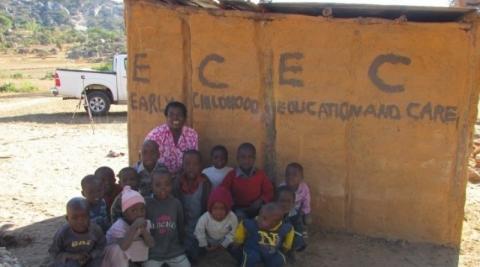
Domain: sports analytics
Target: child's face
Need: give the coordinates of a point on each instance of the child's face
(134, 212)
(246, 159)
(108, 184)
(131, 179)
(293, 177)
(219, 159)
(192, 166)
(268, 219)
(78, 219)
(93, 192)
(175, 118)
(161, 186)
(149, 155)
(286, 201)
(219, 211)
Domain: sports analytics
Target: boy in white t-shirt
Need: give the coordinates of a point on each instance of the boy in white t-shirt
(219, 170)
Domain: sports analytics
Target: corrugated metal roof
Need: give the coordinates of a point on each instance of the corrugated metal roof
(336, 10)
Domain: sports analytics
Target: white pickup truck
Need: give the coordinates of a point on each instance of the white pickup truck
(101, 88)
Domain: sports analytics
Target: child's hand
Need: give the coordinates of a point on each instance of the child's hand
(84, 257)
(139, 223)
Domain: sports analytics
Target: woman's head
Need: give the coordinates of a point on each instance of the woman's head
(176, 113)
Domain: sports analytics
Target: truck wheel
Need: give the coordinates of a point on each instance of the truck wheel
(98, 102)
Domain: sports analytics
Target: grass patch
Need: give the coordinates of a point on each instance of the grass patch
(18, 88)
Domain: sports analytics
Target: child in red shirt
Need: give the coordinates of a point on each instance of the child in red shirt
(249, 186)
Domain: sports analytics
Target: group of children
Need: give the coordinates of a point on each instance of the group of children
(152, 218)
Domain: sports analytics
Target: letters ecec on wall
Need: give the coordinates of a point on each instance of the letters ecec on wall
(288, 69)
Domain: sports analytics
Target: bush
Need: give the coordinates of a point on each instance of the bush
(48, 76)
(17, 76)
(23, 87)
(8, 87)
(104, 67)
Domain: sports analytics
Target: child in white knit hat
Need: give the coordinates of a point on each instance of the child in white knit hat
(129, 237)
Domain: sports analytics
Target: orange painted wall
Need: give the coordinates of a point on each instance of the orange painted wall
(348, 99)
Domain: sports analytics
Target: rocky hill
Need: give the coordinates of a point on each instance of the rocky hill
(94, 28)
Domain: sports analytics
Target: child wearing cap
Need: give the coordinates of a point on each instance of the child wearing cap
(216, 228)
(129, 237)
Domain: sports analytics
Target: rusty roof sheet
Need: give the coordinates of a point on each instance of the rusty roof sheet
(336, 10)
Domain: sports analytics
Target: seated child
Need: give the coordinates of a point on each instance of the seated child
(145, 167)
(110, 187)
(129, 237)
(219, 170)
(79, 242)
(216, 228)
(128, 176)
(192, 189)
(92, 190)
(166, 214)
(294, 180)
(249, 186)
(285, 197)
(263, 240)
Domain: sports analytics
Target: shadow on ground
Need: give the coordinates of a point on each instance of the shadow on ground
(67, 118)
(32, 241)
(325, 249)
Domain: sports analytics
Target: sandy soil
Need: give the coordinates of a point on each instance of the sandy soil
(44, 153)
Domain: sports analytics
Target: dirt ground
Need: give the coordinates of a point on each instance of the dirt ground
(44, 154)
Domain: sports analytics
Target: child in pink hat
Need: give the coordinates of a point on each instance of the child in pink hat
(129, 237)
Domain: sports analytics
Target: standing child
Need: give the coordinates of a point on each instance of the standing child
(294, 180)
(92, 190)
(129, 237)
(111, 188)
(193, 189)
(249, 186)
(264, 240)
(285, 197)
(79, 242)
(216, 228)
(219, 170)
(166, 214)
(128, 176)
(145, 167)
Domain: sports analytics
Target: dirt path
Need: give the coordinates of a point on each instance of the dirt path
(44, 155)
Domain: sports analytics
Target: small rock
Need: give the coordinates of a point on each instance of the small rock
(113, 154)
